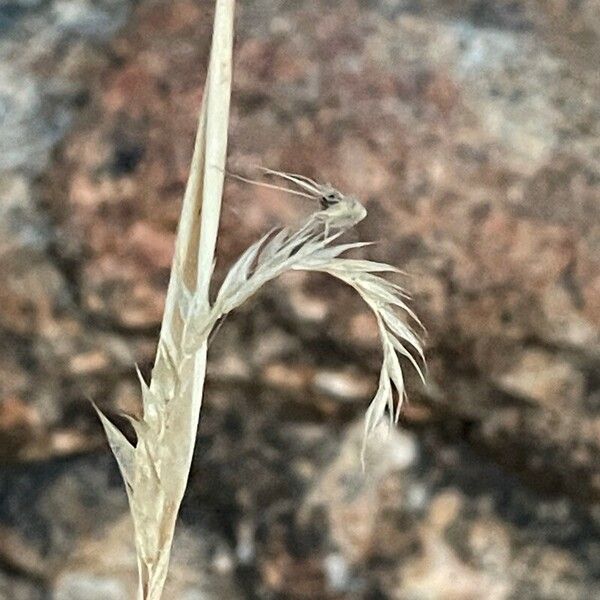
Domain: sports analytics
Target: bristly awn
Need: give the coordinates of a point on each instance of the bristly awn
(338, 211)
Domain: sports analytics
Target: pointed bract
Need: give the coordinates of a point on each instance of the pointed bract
(124, 452)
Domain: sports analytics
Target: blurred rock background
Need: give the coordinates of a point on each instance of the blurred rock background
(471, 130)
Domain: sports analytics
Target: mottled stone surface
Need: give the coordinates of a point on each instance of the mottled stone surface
(48, 53)
(471, 131)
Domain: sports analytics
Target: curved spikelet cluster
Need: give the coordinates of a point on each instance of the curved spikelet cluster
(311, 248)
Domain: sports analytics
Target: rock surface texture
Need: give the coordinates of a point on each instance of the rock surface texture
(471, 131)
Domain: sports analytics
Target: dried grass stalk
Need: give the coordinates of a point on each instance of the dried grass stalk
(156, 469)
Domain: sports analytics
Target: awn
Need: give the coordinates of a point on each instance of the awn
(338, 211)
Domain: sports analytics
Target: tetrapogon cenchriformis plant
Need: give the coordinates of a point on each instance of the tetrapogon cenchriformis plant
(155, 470)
